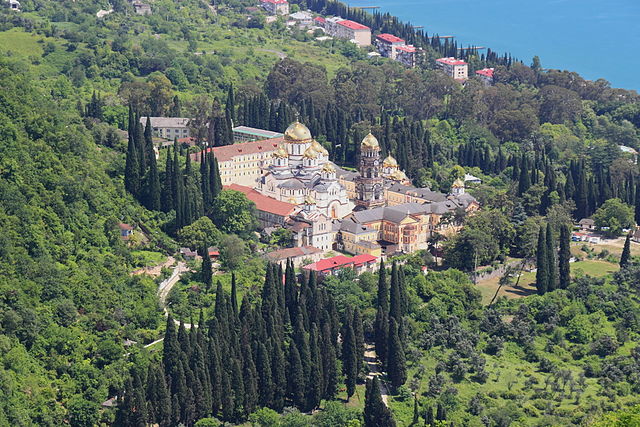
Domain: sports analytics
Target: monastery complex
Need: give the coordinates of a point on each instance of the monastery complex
(374, 211)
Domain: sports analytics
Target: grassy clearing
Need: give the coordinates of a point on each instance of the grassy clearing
(526, 286)
(148, 258)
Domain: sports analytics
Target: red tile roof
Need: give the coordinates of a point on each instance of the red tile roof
(320, 19)
(188, 140)
(451, 61)
(340, 261)
(124, 226)
(228, 152)
(487, 72)
(390, 38)
(263, 203)
(353, 25)
(275, 1)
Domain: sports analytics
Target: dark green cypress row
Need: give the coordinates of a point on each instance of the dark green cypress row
(329, 367)
(396, 362)
(166, 198)
(250, 377)
(552, 272)
(542, 274)
(295, 378)
(279, 375)
(358, 330)
(265, 382)
(395, 310)
(349, 357)
(132, 169)
(564, 255)
(315, 386)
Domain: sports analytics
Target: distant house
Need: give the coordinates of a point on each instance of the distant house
(636, 235)
(319, 21)
(587, 224)
(126, 231)
(14, 5)
(347, 29)
(214, 253)
(631, 152)
(453, 67)
(141, 8)
(296, 255)
(302, 18)
(331, 266)
(188, 254)
(275, 7)
(168, 127)
(472, 179)
(486, 75)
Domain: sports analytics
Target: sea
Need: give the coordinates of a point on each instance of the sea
(596, 38)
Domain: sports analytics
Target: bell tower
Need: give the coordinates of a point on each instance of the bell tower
(369, 185)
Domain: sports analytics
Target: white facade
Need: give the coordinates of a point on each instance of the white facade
(454, 68)
(168, 127)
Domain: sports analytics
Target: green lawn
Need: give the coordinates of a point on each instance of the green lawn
(526, 286)
(148, 258)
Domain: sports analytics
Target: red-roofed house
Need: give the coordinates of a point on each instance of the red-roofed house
(455, 68)
(486, 75)
(271, 212)
(360, 263)
(407, 55)
(350, 30)
(387, 44)
(126, 231)
(241, 163)
(319, 21)
(276, 7)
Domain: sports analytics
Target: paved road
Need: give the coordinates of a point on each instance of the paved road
(372, 362)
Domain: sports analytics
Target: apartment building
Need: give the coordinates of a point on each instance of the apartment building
(275, 7)
(454, 68)
(350, 30)
(168, 127)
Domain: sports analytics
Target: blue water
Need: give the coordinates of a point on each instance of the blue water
(596, 38)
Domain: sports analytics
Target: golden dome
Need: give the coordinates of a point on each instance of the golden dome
(458, 183)
(328, 167)
(280, 153)
(297, 133)
(399, 176)
(390, 162)
(310, 153)
(319, 148)
(309, 200)
(370, 141)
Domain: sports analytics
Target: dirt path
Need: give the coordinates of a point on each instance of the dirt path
(156, 270)
(372, 362)
(281, 55)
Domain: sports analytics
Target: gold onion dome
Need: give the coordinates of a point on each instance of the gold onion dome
(310, 153)
(370, 141)
(399, 175)
(297, 133)
(281, 153)
(328, 167)
(319, 148)
(390, 162)
(458, 183)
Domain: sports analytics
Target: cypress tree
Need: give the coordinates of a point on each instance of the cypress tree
(429, 418)
(441, 412)
(234, 294)
(626, 252)
(524, 181)
(564, 255)
(416, 411)
(349, 357)
(278, 368)
(315, 379)
(358, 330)
(207, 273)
(383, 291)
(396, 362)
(329, 368)
(295, 378)
(395, 306)
(250, 379)
(132, 169)
(265, 382)
(382, 335)
(376, 413)
(153, 185)
(581, 197)
(167, 188)
(552, 272)
(542, 274)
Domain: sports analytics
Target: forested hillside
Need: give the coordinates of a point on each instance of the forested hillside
(67, 302)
